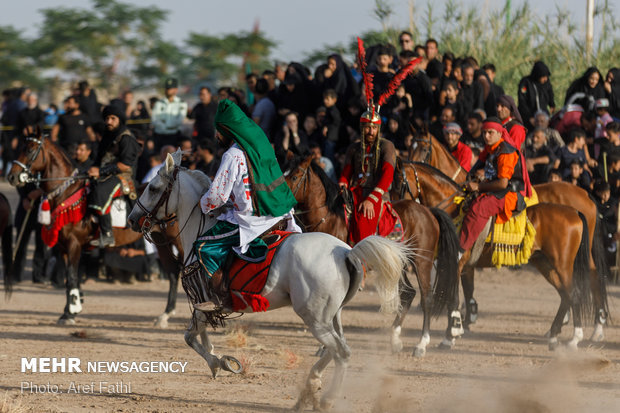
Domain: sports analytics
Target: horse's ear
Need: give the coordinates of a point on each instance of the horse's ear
(178, 157)
(169, 164)
(308, 160)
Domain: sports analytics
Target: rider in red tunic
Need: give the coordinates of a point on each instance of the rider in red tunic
(452, 133)
(505, 185)
(369, 171)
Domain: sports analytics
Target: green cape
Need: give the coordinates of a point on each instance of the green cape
(271, 194)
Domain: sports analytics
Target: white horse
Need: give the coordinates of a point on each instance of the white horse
(314, 273)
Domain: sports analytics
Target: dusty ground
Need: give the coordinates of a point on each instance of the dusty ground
(501, 365)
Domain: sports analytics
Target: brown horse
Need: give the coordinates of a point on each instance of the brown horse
(560, 251)
(427, 231)
(41, 156)
(429, 150)
(6, 233)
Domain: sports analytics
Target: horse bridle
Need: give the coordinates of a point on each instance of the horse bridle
(151, 219)
(429, 153)
(27, 173)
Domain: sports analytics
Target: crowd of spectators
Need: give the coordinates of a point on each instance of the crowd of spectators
(316, 113)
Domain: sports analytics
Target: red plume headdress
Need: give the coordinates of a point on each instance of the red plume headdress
(372, 113)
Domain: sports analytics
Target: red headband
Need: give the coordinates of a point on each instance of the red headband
(493, 125)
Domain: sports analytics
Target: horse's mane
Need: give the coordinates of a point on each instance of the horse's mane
(448, 153)
(60, 151)
(332, 192)
(442, 176)
(201, 177)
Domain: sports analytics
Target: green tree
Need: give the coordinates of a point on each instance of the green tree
(16, 61)
(224, 57)
(100, 43)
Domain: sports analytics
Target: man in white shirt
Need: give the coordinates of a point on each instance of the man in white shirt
(168, 115)
(248, 204)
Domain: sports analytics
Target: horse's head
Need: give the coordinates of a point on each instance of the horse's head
(423, 147)
(30, 160)
(297, 178)
(159, 201)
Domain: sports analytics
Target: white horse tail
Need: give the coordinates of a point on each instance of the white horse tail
(386, 260)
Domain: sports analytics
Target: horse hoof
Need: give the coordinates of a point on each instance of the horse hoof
(447, 344)
(419, 352)
(66, 320)
(397, 346)
(231, 364)
(598, 335)
(162, 321)
(326, 405)
(553, 344)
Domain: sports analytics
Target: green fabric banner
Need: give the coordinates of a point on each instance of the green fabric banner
(272, 196)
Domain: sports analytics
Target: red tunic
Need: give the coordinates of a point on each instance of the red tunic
(464, 155)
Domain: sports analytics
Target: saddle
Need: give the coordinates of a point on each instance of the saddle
(243, 277)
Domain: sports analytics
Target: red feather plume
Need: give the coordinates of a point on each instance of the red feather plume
(367, 77)
(397, 79)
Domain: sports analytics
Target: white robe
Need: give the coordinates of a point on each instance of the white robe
(231, 189)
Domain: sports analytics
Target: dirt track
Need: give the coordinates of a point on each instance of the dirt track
(502, 365)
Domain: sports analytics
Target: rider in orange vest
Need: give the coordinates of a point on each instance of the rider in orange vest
(505, 185)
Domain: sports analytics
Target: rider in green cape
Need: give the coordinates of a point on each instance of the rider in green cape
(248, 194)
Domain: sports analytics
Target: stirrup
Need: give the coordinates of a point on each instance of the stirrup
(208, 307)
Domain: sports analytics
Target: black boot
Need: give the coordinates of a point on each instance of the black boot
(220, 299)
(106, 235)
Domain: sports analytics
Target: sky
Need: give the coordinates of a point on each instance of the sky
(298, 26)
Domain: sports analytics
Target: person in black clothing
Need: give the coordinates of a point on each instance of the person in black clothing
(72, 127)
(89, 105)
(118, 155)
(418, 85)
(142, 119)
(204, 115)
(539, 157)
(30, 117)
(591, 84)
(473, 133)
(397, 132)
(490, 70)
(208, 161)
(612, 91)
(434, 68)
(293, 96)
(330, 125)
(607, 208)
(291, 142)
(535, 93)
(83, 160)
(471, 92)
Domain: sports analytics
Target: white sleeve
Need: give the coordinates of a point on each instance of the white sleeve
(222, 185)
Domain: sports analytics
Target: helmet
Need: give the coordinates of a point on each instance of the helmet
(371, 115)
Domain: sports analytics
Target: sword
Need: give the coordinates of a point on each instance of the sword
(21, 232)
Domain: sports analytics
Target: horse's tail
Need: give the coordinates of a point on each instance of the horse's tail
(387, 259)
(600, 261)
(581, 291)
(7, 253)
(446, 288)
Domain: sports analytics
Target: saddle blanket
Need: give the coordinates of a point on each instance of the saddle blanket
(513, 240)
(247, 277)
(70, 211)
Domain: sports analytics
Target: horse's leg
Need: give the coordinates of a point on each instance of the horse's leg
(327, 333)
(73, 305)
(407, 294)
(425, 270)
(197, 327)
(162, 320)
(551, 274)
(471, 306)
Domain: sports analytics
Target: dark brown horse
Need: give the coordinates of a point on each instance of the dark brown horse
(560, 251)
(41, 156)
(429, 150)
(6, 233)
(321, 208)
